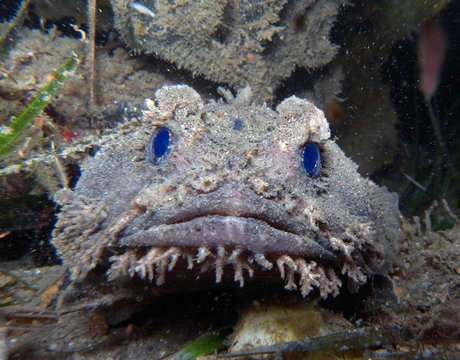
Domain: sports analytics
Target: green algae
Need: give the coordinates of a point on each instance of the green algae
(16, 130)
(204, 345)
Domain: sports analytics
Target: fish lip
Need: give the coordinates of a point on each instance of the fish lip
(230, 199)
(228, 231)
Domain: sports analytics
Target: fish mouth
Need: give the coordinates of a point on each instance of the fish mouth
(228, 231)
(231, 216)
(225, 247)
(229, 200)
(227, 228)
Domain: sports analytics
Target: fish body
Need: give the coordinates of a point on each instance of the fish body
(227, 195)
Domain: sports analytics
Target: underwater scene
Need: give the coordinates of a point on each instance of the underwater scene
(229, 179)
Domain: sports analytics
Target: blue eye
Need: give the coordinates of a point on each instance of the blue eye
(159, 144)
(312, 159)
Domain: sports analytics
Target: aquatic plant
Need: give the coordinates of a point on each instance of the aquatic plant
(428, 113)
(372, 30)
(7, 37)
(204, 345)
(339, 342)
(15, 131)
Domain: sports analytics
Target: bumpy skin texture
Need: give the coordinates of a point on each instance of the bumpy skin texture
(230, 198)
(234, 42)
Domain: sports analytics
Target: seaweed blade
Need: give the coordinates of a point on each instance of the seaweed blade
(22, 122)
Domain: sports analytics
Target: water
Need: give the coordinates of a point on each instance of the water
(359, 62)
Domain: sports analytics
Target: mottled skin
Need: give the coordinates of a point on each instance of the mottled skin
(230, 198)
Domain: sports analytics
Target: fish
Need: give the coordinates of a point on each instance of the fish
(225, 192)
